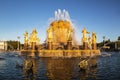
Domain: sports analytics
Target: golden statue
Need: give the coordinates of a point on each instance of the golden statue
(33, 36)
(50, 34)
(85, 32)
(89, 42)
(29, 69)
(69, 35)
(94, 37)
(26, 37)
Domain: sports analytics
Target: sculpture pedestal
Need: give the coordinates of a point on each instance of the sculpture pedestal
(69, 45)
(85, 45)
(25, 46)
(50, 45)
(33, 45)
(94, 46)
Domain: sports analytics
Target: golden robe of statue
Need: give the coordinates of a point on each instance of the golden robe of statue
(89, 42)
(33, 36)
(26, 37)
(50, 34)
(69, 35)
(94, 37)
(85, 32)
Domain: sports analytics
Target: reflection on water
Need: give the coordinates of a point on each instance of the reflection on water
(59, 68)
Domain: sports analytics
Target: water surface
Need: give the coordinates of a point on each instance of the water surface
(108, 68)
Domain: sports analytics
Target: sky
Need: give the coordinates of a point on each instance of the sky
(100, 16)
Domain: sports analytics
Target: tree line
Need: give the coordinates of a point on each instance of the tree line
(13, 45)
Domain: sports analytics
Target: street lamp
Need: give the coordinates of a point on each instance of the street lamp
(18, 43)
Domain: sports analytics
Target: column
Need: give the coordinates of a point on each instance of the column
(69, 45)
(50, 47)
(85, 45)
(25, 46)
(33, 45)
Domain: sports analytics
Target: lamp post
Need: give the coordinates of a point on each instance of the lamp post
(18, 43)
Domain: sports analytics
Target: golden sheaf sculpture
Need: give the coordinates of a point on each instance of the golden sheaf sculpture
(60, 32)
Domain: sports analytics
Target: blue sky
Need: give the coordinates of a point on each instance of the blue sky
(100, 16)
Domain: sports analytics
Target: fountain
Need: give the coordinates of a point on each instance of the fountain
(60, 40)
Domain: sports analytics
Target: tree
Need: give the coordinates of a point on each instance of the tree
(118, 42)
(118, 38)
(12, 45)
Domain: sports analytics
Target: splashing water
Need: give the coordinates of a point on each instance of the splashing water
(62, 15)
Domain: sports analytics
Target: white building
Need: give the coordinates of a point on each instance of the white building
(3, 45)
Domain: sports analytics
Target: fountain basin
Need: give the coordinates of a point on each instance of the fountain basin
(60, 53)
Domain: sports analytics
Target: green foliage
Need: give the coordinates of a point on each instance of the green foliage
(100, 44)
(21, 46)
(118, 37)
(12, 45)
(118, 44)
